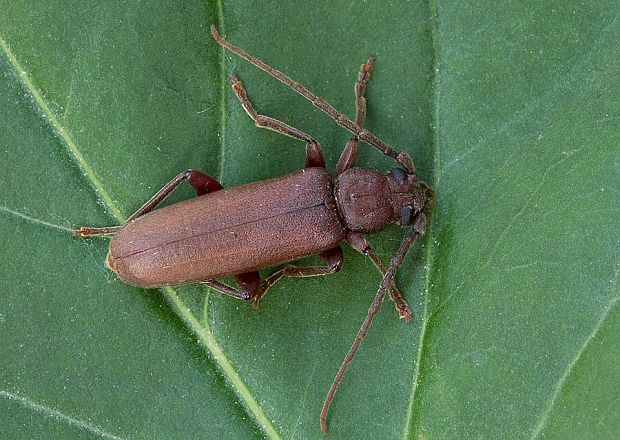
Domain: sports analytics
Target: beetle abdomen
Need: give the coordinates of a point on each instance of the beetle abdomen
(230, 231)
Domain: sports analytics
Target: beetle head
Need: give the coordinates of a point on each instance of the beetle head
(409, 196)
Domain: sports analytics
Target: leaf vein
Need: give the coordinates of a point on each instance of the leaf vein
(304, 401)
(500, 237)
(58, 415)
(569, 368)
(542, 100)
(33, 220)
(207, 338)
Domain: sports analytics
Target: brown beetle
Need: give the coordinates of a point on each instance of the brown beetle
(241, 230)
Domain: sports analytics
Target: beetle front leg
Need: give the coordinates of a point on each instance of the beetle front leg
(202, 183)
(314, 151)
(360, 244)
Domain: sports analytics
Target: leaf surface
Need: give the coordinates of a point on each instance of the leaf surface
(511, 112)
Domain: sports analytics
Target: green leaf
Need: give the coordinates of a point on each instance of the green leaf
(511, 111)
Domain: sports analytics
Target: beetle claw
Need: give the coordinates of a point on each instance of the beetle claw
(405, 313)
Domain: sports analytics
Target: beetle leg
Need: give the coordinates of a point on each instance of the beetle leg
(314, 151)
(250, 286)
(333, 257)
(349, 154)
(360, 244)
(86, 231)
(227, 290)
(202, 183)
(248, 282)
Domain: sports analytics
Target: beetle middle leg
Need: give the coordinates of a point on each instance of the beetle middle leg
(252, 288)
(202, 183)
(314, 151)
(333, 257)
(349, 154)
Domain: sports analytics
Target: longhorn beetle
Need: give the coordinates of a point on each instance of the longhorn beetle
(241, 230)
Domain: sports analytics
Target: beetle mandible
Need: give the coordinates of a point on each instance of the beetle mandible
(238, 231)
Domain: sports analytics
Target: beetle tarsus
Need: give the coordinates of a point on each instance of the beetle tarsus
(82, 232)
(85, 231)
(405, 313)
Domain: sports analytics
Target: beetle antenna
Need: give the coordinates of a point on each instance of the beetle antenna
(418, 228)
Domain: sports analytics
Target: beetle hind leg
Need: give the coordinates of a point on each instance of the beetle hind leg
(228, 290)
(202, 183)
(86, 231)
(314, 150)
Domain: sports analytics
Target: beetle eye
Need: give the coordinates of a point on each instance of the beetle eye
(406, 215)
(399, 174)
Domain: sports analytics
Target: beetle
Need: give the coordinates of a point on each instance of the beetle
(238, 231)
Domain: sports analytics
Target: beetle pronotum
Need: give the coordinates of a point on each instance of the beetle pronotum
(237, 231)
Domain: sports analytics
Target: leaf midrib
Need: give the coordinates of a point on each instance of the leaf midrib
(60, 131)
(409, 422)
(203, 332)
